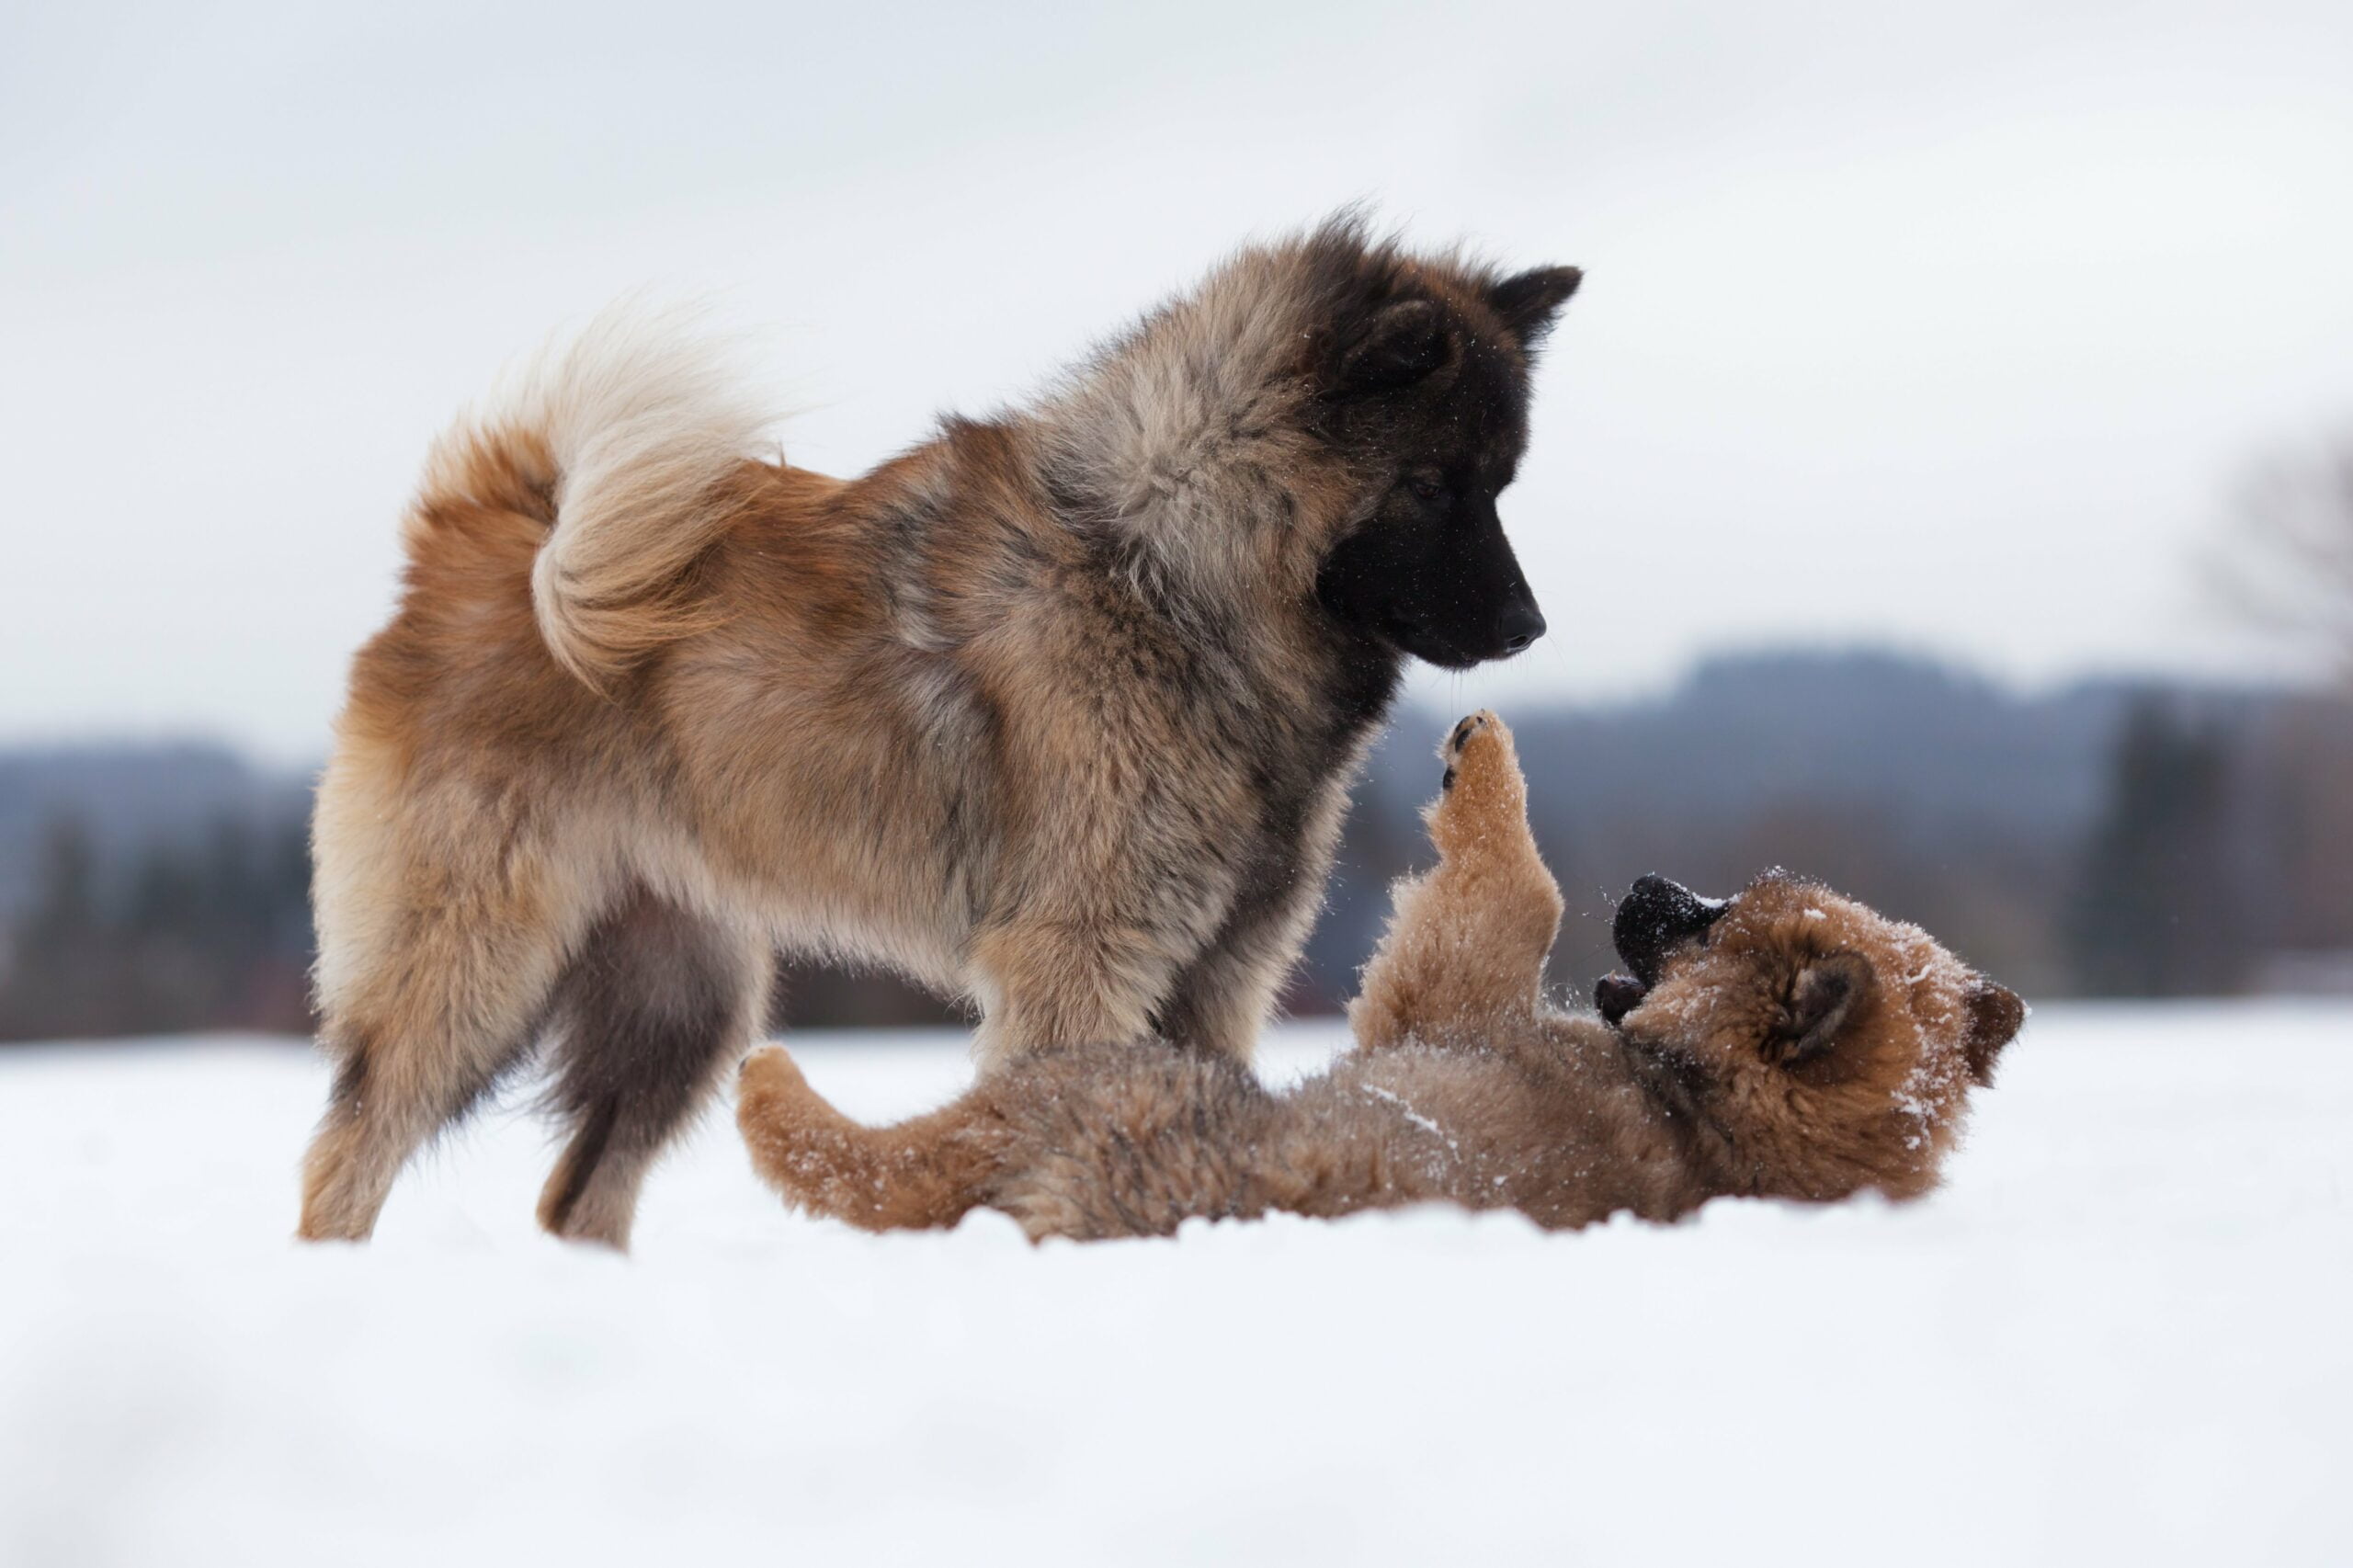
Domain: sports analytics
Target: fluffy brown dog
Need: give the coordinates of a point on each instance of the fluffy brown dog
(1056, 711)
(1787, 1043)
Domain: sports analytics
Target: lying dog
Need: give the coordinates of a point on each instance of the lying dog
(1783, 1043)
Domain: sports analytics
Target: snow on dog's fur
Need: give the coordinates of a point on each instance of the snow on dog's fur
(1786, 1042)
(1056, 711)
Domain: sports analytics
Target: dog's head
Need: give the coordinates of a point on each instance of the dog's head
(1830, 1048)
(1420, 370)
(1327, 421)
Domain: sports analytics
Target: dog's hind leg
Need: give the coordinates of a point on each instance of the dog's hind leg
(643, 1025)
(1466, 941)
(920, 1175)
(424, 1022)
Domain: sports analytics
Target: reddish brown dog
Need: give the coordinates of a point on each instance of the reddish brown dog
(1783, 1043)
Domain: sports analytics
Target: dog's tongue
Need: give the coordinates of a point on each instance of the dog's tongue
(1615, 995)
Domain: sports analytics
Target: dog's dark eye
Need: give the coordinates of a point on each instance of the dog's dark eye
(1426, 487)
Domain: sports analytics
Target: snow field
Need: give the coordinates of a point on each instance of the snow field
(2119, 1335)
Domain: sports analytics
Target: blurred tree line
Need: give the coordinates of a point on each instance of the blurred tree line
(2223, 856)
(2104, 840)
(213, 934)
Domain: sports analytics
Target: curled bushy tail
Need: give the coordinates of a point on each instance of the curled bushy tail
(633, 431)
(644, 424)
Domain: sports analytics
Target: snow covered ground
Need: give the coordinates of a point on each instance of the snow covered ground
(2120, 1334)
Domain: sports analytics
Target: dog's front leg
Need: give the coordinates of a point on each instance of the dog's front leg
(1222, 999)
(1047, 983)
(1467, 940)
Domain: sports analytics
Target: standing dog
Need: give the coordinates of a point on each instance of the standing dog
(1056, 711)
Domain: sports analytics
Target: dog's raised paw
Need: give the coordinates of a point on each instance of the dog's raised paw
(1481, 780)
(1477, 741)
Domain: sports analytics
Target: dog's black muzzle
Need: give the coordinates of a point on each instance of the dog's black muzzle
(1655, 919)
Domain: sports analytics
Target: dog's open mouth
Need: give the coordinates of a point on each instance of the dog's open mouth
(1655, 919)
(1615, 995)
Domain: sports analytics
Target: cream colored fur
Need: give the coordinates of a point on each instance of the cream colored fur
(643, 419)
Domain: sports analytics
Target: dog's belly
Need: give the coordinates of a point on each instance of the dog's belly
(807, 925)
(807, 784)
(842, 890)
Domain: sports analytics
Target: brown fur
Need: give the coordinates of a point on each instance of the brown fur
(1803, 1048)
(1047, 713)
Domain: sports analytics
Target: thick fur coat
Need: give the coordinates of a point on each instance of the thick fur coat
(1055, 712)
(1787, 1043)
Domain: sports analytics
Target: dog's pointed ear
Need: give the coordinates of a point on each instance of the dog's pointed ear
(1401, 344)
(1995, 1014)
(1528, 301)
(1826, 997)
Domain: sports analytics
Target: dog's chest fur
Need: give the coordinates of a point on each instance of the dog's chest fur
(997, 574)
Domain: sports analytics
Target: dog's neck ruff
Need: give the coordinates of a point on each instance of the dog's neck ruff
(1184, 438)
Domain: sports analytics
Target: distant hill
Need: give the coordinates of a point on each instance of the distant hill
(1937, 795)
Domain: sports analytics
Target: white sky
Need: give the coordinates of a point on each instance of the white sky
(1950, 326)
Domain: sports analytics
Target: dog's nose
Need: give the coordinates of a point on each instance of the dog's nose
(1655, 916)
(1523, 624)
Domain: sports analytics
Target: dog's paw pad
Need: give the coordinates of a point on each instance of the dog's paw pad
(1470, 725)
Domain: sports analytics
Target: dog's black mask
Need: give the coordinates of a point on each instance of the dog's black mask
(1435, 391)
(1432, 574)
